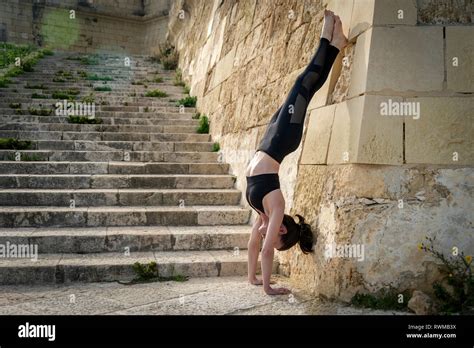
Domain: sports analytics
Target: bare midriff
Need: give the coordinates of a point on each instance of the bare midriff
(262, 163)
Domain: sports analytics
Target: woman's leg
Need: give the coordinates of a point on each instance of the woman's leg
(285, 129)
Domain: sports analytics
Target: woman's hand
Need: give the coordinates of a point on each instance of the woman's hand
(276, 291)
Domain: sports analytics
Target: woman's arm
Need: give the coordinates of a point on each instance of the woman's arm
(253, 250)
(277, 210)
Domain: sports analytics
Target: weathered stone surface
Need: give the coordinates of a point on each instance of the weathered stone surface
(398, 12)
(443, 133)
(368, 13)
(398, 59)
(325, 196)
(444, 12)
(88, 34)
(223, 69)
(459, 61)
(197, 296)
(361, 135)
(338, 93)
(362, 17)
(318, 133)
(420, 303)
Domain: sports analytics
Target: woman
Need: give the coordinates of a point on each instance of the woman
(283, 136)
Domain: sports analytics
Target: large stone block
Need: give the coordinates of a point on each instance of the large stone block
(394, 12)
(459, 58)
(223, 69)
(368, 13)
(398, 59)
(362, 17)
(443, 132)
(360, 134)
(342, 8)
(316, 141)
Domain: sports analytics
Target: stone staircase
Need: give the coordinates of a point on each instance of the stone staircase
(95, 198)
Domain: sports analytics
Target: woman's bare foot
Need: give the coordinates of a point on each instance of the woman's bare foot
(339, 40)
(328, 26)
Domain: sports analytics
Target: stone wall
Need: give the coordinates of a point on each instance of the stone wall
(135, 27)
(362, 176)
(240, 59)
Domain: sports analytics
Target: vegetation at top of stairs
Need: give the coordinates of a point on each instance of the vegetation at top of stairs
(178, 78)
(14, 144)
(28, 86)
(89, 60)
(28, 55)
(10, 52)
(40, 112)
(4, 82)
(156, 94)
(203, 127)
(167, 56)
(88, 98)
(188, 102)
(63, 76)
(68, 94)
(84, 120)
(103, 89)
(96, 77)
(39, 96)
(15, 105)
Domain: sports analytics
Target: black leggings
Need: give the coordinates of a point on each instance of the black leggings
(284, 132)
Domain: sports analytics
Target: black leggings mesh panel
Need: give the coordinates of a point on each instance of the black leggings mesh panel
(284, 132)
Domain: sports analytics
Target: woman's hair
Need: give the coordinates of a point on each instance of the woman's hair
(297, 233)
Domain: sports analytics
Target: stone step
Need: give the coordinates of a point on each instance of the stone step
(64, 167)
(84, 145)
(106, 136)
(14, 217)
(102, 267)
(106, 156)
(104, 68)
(118, 85)
(115, 121)
(154, 111)
(118, 90)
(84, 240)
(119, 95)
(119, 71)
(117, 197)
(85, 181)
(124, 78)
(69, 127)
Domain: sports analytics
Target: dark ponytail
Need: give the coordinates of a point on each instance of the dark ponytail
(297, 233)
(306, 235)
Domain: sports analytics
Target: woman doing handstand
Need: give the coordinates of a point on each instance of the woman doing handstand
(283, 136)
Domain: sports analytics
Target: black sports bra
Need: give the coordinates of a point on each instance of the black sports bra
(258, 186)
